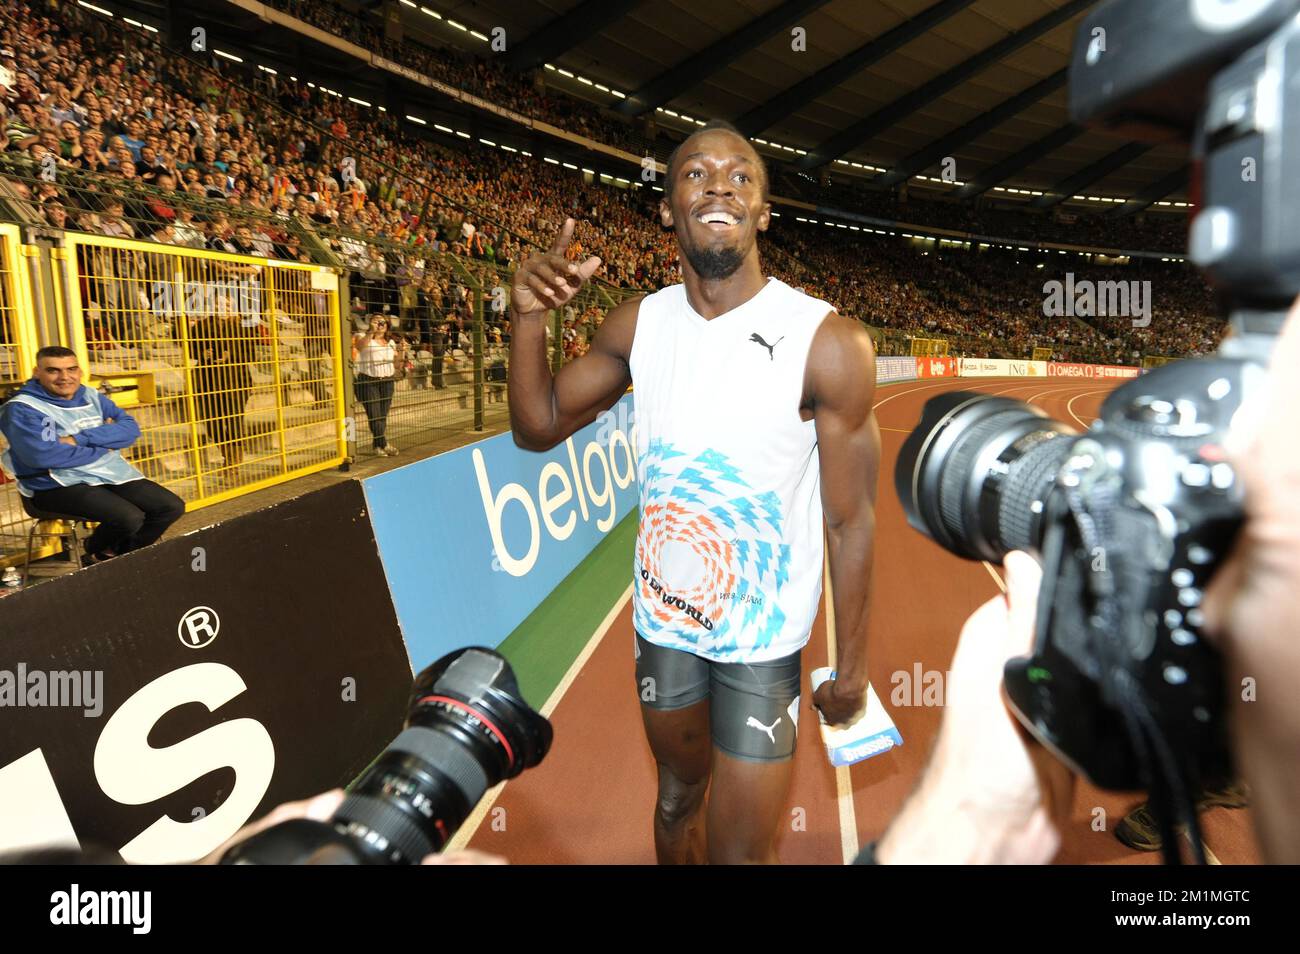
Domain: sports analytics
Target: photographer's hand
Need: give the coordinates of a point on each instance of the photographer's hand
(318, 808)
(990, 794)
(465, 856)
(1252, 607)
(321, 808)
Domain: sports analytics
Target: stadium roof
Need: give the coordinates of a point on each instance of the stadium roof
(883, 82)
(875, 89)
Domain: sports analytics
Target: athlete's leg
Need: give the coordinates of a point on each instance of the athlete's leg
(746, 809)
(673, 687)
(680, 742)
(754, 713)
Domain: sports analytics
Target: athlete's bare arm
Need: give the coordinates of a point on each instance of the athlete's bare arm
(839, 389)
(545, 409)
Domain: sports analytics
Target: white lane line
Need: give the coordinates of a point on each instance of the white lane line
(467, 830)
(1058, 391)
(1069, 407)
(1210, 857)
(1050, 392)
(944, 383)
(843, 781)
(900, 392)
(576, 667)
(994, 573)
(1018, 387)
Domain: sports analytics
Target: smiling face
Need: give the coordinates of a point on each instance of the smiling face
(716, 202)
(60, 376)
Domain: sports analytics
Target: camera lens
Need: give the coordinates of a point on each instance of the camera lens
(469, 729)
(975, 473)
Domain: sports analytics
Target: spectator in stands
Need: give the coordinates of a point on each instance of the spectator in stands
(377, 360)
(56, 216)
(222, 349)
(65, 443)
(111, 222)
(417, 363)
(22, 130)
(186, 230)
(229, 147)
(441, 336)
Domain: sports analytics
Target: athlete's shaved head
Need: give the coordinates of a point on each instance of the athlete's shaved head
(716, 201)
(714, 125)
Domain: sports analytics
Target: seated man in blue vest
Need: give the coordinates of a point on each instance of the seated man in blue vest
(64, 447)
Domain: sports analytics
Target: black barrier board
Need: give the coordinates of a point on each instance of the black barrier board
(240, 666)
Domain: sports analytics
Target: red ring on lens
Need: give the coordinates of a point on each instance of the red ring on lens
(457, 704)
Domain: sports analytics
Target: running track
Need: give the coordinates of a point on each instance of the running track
(591, 801)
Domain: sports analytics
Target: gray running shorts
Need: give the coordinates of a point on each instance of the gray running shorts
(753, 707)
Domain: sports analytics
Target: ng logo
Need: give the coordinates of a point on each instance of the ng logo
(198, 627)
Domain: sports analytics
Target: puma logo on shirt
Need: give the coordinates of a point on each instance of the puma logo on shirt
(758, 339)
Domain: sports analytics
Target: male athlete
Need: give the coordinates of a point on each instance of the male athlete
(753, 407)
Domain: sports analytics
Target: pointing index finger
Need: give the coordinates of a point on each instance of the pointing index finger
(562, 240)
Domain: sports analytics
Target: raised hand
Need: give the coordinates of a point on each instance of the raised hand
(549, 280)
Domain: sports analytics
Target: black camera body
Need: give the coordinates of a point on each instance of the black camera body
(1141, 511)
(1131, 518)
(1220, 76)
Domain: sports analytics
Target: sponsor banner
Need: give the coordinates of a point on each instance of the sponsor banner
(944, 367)
(895, 369)
(154, 704)
(415, 76)
(1002, 368)
(1062, 369)
(981, 367)
(475, 539)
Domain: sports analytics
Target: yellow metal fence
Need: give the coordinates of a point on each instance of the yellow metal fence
(230, 364)
(929, 347)
(18, 344)
(17, 329)
(236, 367)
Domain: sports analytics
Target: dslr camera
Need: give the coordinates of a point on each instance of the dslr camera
(468, 729)
(1131, 518)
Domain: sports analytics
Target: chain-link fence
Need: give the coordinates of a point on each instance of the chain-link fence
(438, 367)
(431, 340)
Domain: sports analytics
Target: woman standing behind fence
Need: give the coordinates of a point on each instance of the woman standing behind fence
(378, 359)
(222, 350)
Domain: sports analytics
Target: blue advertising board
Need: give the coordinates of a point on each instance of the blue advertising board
(473, 540)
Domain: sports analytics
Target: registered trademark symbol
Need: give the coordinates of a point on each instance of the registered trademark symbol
(198, 627)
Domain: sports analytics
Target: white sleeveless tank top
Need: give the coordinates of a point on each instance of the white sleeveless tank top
(729, 551)
(376, 358)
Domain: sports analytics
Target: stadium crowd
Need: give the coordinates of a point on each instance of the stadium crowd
(477, 75)
(147, 144)
(485, 76)
(1160, 232)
